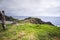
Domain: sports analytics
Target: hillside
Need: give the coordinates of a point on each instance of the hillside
(35, 21)
(27, 30)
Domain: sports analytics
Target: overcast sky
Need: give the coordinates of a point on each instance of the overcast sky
(31, 7)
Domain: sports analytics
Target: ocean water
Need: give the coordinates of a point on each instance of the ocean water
(53, 20)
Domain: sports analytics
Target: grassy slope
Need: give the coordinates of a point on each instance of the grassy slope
(29, 31)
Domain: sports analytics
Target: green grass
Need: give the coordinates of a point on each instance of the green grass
(28, 31)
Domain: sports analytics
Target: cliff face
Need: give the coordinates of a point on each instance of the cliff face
(36, 21)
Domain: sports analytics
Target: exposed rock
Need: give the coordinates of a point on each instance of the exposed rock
(36, 21)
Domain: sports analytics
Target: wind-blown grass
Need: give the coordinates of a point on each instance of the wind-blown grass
(28, 31)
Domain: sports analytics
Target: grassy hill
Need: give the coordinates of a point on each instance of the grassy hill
(27, 30)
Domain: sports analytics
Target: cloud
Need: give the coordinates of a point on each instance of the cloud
(31, 7)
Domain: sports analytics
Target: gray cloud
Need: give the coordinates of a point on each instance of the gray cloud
(54, 10)
(31, 7)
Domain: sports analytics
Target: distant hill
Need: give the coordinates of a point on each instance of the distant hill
(53, 20)
(36, 21)
(9, 18)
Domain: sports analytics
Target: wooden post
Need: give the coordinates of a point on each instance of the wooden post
(2, 13)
